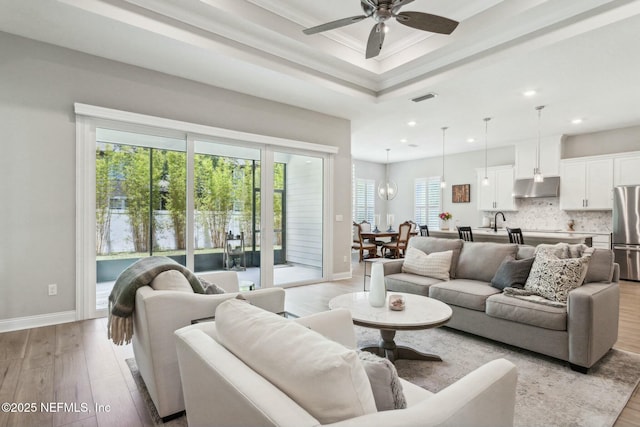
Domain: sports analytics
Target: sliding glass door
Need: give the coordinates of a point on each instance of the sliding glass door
(298, 206)
(210, 203)
(140, 202)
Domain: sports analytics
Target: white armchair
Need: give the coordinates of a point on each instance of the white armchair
(221, 390)
(159, 313)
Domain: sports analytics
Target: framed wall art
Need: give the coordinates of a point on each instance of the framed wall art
(460, 193)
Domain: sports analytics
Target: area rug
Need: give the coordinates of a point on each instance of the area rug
(180, 421)
(549, 393)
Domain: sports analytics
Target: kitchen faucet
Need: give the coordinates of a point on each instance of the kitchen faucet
(495, 221)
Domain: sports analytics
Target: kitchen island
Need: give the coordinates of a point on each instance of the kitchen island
(531, 237)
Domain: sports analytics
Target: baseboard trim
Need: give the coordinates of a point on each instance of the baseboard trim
(341, 276)
(28, 322)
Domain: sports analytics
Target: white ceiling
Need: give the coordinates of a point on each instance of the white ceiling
(581, 56)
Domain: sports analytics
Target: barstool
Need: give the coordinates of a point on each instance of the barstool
(424, 230)
(465, 233)
(515, 236)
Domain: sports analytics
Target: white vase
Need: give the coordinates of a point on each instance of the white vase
(377, 288)
(444, 225)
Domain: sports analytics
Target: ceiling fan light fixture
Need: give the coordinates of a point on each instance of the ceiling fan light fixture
(382, 11)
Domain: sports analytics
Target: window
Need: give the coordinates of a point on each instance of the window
(427, 201)
(364, 202)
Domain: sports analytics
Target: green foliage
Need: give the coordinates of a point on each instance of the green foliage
(105, 186)
(176, 195)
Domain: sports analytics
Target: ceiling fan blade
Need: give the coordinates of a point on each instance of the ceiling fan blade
(427, 22)
(369, 6)
(376, 38)
(334, 24)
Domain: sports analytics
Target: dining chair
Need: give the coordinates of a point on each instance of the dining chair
(465, 233)
(360, 245)
(399, 246)
(365, 227)
(515, 235)
(424, 230)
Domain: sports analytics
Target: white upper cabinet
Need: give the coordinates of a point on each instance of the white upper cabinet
(498, 195)
(626, 169)
(586, 184)
(549, 157)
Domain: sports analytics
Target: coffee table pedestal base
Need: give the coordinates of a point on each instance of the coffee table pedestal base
(388, 348)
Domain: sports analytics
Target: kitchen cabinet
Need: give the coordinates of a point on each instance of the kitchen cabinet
(498, 195)
(586, 184)
(626, 169)
(549, 157)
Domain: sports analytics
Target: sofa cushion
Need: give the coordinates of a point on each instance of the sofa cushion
(553, 278)
(323, 377)
(480, 260)
(430, 245)
(409, 283)
(171, 280)
(436, 264)
(512, 273)
(601, 266)
(470, 294)
(529, 313)
(526, 251)
(385, 383)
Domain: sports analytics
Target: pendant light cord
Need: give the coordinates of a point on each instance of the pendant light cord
(486, 138)
(444, 129)
(539, 108)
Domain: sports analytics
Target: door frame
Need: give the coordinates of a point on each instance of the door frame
(89, 117)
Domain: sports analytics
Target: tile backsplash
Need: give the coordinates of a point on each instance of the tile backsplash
(545, 214)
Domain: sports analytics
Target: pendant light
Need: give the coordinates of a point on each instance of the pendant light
(388, 189)
(443, 182)
(485, 180)
(537, 174)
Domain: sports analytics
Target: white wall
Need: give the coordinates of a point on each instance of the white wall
(38, 85)
(604, 142)
(459, 169)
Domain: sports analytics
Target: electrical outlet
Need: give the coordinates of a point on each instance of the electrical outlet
(345, 259)
(53, 289)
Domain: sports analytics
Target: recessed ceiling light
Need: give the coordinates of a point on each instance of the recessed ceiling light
(530, 92)
(403, 140)
(576, 121)
(470, 140)
(411, 123)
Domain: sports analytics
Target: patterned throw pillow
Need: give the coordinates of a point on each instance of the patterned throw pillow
(552, 278)
(436, 264)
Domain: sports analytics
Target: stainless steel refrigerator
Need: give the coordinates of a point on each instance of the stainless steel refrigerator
(626, 230)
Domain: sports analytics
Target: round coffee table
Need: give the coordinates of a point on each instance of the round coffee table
(420, 313)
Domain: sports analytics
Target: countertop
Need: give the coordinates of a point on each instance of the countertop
(530, 236)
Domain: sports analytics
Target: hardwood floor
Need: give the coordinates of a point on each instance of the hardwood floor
(75, 363)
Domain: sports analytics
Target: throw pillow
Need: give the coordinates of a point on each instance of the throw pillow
(601, 266)
(323, 377)
(385, 383)
(552, 277)
(512, 273)
(436, 264)
(561, 250)
(210, 288)
(171, 280)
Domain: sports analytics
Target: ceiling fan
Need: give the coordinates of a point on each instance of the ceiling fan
(381, 11)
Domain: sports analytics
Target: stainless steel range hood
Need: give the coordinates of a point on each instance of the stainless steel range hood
(524, 188)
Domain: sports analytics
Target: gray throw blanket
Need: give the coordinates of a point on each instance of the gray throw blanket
(123, 296)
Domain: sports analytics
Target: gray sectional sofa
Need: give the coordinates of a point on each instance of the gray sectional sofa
(580, 333)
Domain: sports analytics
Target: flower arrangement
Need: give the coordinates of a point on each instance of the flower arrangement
(445, 216)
